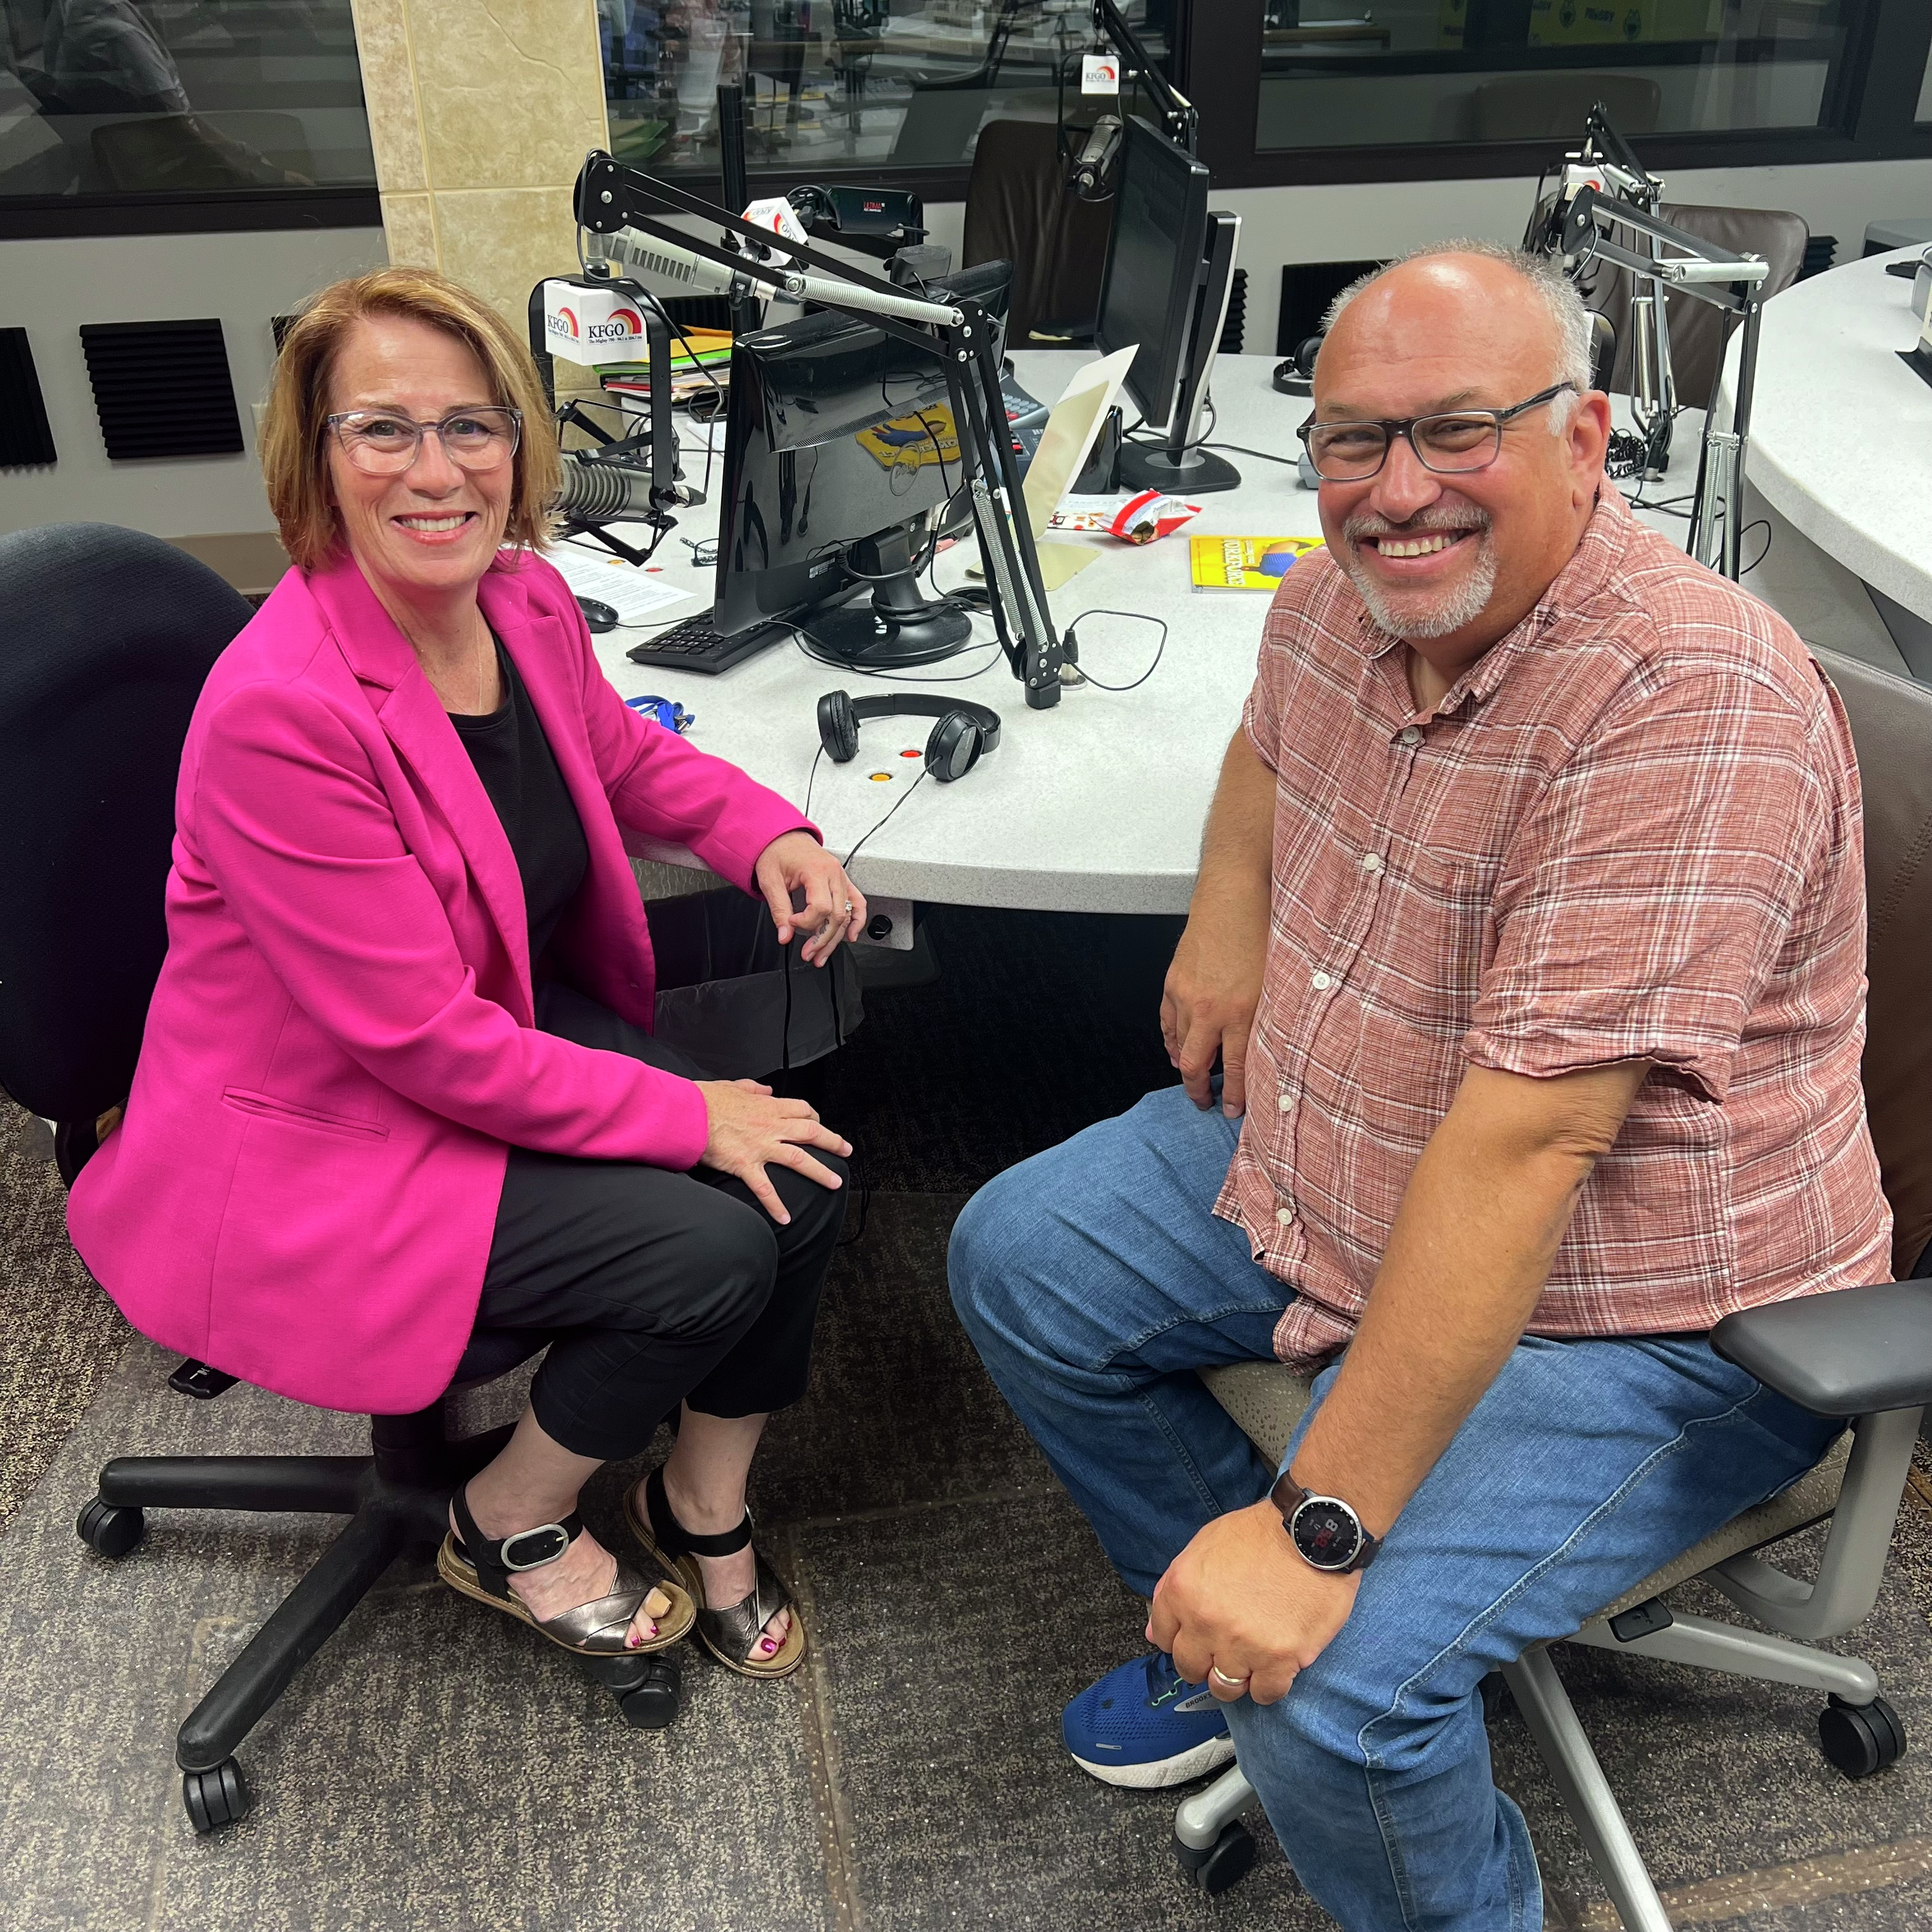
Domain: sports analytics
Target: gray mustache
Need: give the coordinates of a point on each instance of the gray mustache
(1368, 523)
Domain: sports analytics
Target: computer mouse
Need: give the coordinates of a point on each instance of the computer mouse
(599, 616)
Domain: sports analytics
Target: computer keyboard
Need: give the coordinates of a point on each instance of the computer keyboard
(693, 644)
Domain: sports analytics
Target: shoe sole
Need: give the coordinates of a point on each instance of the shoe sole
(1182, 1770)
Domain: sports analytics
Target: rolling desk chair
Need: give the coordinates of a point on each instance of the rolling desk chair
(1696, 329)
(96, 692)
(1864, 1353)
(1018, 209)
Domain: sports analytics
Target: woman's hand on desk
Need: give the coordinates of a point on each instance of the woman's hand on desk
(834, 908)
(751, 1129)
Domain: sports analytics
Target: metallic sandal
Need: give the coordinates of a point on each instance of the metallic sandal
(478, 1566)
(731, 1635)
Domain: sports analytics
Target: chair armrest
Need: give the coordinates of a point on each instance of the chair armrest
(1855, 1351)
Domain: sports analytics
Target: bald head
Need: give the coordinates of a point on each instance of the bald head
(1480, 288)
(1469, 519)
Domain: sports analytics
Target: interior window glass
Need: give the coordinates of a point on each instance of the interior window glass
(844, 85)
(172, 97)
(1341, 73)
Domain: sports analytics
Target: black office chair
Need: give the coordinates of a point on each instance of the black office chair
(109, 635)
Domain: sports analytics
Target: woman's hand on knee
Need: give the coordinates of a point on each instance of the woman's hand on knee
(751, 1129)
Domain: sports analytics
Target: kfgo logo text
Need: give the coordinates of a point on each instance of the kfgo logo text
(562, 322)
(623, 324)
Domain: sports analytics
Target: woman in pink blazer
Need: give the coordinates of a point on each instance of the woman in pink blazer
(397, 1081)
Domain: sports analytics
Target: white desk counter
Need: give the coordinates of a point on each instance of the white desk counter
(1841, 429)
(1096, 806)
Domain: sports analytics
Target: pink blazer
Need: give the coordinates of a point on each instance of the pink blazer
(341, 1045)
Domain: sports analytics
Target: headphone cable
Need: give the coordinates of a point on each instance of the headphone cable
(906, 794)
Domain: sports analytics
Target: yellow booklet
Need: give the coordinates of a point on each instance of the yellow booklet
(1246, 563)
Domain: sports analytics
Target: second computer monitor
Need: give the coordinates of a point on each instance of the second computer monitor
(1170, 265)
(841, 452)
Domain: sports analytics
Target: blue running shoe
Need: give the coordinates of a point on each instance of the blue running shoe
(1144, 1726)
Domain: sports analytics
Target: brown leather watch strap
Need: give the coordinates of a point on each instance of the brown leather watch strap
(1288, 1496)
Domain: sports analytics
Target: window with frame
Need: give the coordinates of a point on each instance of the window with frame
(115, 99)
(1340, 73)
(877, 86)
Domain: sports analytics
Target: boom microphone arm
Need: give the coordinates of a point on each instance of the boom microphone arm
(1180, 120)
(622, 206)
(1672, 258)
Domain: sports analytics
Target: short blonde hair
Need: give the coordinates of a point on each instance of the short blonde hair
(295, 450)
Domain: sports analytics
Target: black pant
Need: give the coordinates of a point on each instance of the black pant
(653, 1285)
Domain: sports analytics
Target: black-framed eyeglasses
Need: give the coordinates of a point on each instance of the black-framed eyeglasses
(381, 443)
(1450, 444)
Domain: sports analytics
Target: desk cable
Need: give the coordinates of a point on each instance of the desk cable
(1073, 647)
(801, 636)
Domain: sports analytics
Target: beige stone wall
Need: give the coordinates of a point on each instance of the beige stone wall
(481, 112)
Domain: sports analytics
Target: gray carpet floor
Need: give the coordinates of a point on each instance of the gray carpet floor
(437, 1767)
(60, 1336)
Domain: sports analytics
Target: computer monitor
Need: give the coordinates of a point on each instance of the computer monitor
(1164, 292)
(840, 455)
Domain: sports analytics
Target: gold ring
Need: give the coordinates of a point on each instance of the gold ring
(1232, 1683)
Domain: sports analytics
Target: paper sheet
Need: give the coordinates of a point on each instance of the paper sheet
(1071, 428)
(636, 596)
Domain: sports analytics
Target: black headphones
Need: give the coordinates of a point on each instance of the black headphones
(965, 734)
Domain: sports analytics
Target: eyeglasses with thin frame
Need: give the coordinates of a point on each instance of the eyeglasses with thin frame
(1451, 444)
(382, 443)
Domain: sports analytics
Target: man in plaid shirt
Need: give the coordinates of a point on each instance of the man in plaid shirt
(1529, 935)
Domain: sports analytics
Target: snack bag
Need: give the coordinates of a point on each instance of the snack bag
(1142, 519)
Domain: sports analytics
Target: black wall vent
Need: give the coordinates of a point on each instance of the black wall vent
(162, 389)
(1235, 329)
(1819, 251)
(25, 437)
(699, 311)
(1307, 288)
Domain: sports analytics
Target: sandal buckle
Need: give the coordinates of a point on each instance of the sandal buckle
(554, 1541)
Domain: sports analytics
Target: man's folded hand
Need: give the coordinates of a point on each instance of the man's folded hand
(1239, 1610)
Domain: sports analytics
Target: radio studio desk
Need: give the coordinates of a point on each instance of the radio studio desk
(1841, 437)
(1096, 806)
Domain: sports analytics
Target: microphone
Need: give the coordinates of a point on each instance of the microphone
(644, 254)
(1087, 177)
(610, 493)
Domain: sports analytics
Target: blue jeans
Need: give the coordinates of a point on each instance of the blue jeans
(1094, 1281)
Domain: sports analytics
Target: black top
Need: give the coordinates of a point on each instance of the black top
(514, 760)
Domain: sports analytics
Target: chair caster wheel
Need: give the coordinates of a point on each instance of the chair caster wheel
(1226, 1862)
(652, 1706)
(648, 1689)
(214, 1798)
(109, 1531)
(1860, 1738)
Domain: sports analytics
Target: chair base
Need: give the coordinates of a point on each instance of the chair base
(396, 1498)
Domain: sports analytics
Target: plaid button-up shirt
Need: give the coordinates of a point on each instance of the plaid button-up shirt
(1630, 830)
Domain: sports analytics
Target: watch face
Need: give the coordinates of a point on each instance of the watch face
(1326, 1533)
